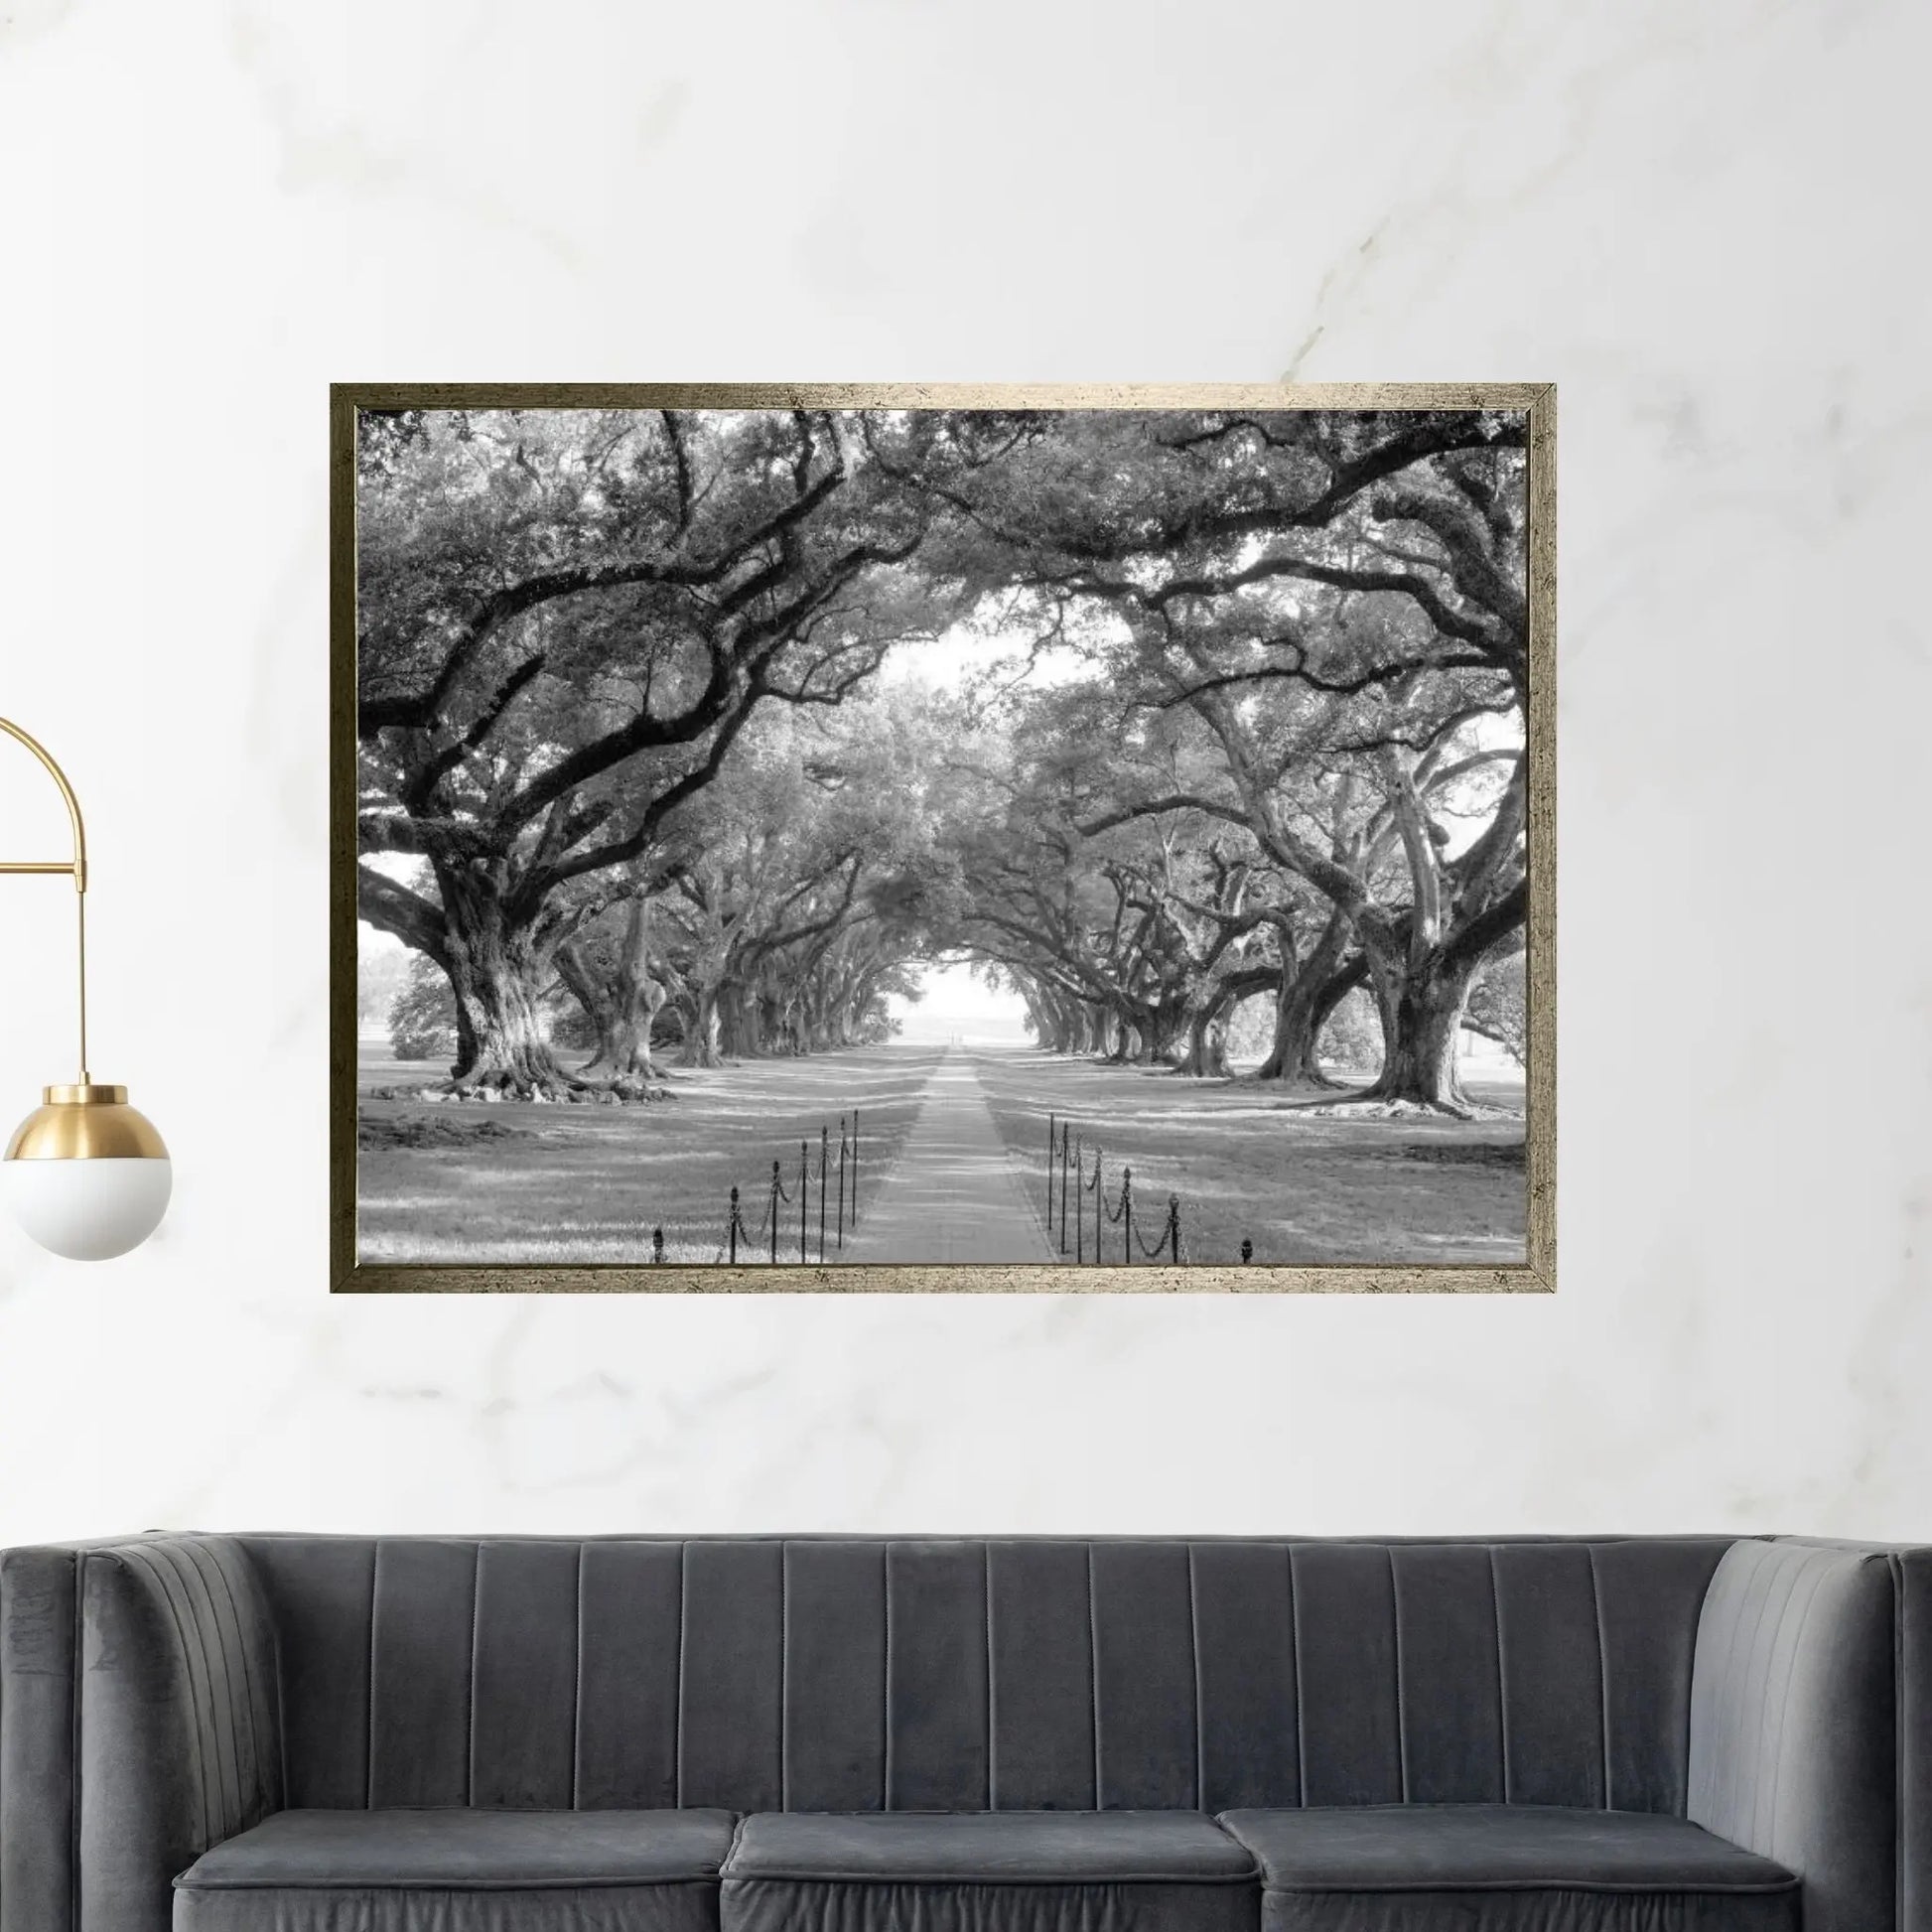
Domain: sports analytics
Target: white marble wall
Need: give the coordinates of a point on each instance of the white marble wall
(1705, 221)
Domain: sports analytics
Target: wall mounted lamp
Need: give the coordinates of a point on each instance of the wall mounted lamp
(84, 1173)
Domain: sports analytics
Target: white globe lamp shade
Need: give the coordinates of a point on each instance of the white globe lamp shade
(86, 1175)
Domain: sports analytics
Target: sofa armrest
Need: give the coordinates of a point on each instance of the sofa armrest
(1797, 1749)
(1912, 1571)
(179, 1732)
(38, 1646)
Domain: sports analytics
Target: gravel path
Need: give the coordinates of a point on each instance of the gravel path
(953, 1194)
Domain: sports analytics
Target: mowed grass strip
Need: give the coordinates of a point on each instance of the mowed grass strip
(523, 1183)
(1247, 1164)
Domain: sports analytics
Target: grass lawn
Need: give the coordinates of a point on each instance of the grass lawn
(529, 1183)
(538, 1184)
(1246, 1163)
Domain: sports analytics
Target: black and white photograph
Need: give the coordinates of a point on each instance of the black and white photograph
(871, 831)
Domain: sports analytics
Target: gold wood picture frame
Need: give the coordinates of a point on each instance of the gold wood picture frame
(956, 796)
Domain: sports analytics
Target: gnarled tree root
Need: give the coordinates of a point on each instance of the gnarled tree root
(1374, 1106)
(561, 1090)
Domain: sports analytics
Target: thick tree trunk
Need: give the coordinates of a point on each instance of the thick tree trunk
(849, 1014)
(1307, 1000)
(510, 1058)
(495, 964)
(1206, 1058)
(465, 1043)
(1422, 1013)
(741, 1034)
(859, 1008)
(1055, 1024)
(796, 1029)
(1162, 1031)
(1074, 1027)
(592, 992)
(1421, 968)
(623, 1006)
(814, 1018)
(701, 1029)
(811, 1022)
(496, 961)
(772, 1021)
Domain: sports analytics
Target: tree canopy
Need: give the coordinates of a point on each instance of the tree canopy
(718, 722)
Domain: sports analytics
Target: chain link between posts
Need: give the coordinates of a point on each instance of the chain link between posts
(1072, 1176)
(833, 1173)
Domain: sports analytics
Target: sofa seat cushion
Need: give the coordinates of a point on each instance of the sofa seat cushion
(461, 1870)
(1506, 1868)
(987, 1872)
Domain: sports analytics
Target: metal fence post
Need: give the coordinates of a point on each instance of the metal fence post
(855, 1166)
(805, 1194)
(776, 1188)
(841, 1183)
(734, 1228)
(1100, 1201)
(1053, 1155)
(656, 1247)
(1067, 1148)
(824, 1162)
(1173, 1226)
(1079, 1211)
(1127, 1215)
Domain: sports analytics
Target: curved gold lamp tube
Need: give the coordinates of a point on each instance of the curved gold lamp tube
(76, 866)
(86, 1175)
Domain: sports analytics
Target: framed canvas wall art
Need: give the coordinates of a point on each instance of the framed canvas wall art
(943, 839)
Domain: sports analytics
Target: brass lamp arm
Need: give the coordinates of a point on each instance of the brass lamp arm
(75, 867)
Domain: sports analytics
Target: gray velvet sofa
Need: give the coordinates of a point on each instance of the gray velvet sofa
(301, 1734)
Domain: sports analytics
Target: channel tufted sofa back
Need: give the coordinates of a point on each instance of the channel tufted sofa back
(923, 1675)
(166, 1695)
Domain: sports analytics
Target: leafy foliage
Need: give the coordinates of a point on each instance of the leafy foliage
(1247, 719)
(422, 1012)
(1499, 1005)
